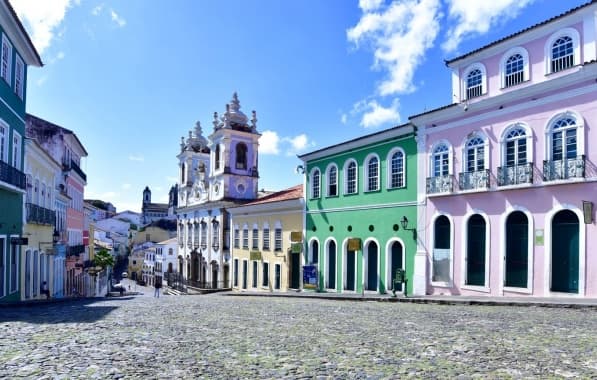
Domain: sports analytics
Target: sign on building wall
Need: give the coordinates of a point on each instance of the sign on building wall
(255, 255)
(354, 244)
(296, 236)
(310, 277)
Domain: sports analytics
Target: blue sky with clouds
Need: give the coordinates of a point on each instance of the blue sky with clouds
(132, 77)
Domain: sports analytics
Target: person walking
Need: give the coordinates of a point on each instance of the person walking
(158, 286)
(45, 290)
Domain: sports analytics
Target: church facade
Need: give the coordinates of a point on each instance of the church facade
(215, 173)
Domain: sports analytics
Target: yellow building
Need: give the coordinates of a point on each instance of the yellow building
(39, 263)
(156, 232)
(264, 257)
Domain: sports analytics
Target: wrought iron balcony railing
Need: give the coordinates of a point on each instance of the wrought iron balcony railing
(440, 184)
(12, 175)
(474, 180)
(564, 169)
(515, 175)
(39, 215)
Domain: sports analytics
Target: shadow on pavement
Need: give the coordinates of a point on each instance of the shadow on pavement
(84, 310)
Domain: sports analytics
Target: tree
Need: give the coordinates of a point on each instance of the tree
(103, 259)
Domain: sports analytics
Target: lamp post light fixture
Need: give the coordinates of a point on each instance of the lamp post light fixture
(404, 223)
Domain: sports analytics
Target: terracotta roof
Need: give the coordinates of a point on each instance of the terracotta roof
(449, 61)
(295, 192)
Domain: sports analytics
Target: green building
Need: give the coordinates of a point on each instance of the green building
(17, 52)
(361, 212)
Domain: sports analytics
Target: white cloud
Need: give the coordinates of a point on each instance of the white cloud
(399, 34)
(375, 115)
(97, 10)
(117, 19)
(269, 143)
(370, 5)
(344, 118)
(137, 157)
(41, 18)
(477, 17)
(56, 58)
(126, 186)
(298, 144)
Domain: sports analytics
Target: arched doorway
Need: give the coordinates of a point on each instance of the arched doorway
(371, 260)
(475, 251)
(330, 282)
(565, 252)
(442, 250)
(396, 261)
(517, 250)
(350, 270)
(194, 266)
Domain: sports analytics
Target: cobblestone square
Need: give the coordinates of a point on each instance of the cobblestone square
(217, 336)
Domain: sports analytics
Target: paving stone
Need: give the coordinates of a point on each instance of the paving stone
(257, 337)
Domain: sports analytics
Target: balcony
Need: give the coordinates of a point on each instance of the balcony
(515, 175)
(12, 175)
(564, 169)
(440, 184)
(474, 180)
(72, 165)
(39, 215)
(75, 250)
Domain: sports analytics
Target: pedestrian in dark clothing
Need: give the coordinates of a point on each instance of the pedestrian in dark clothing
(45, 290)
(158, 286)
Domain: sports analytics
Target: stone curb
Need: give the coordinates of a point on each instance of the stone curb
(419, 300)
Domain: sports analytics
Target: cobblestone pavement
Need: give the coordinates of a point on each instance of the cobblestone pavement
(249, 337)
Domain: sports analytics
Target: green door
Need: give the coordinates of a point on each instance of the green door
(564, 252)
(350, 270)
(517, 248)
(372, 266)
(331, 265)
(295, 270)
(395, 264)
(475, 251)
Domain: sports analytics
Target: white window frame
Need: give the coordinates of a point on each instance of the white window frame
(464, 82)
(346, 177)
(19, 77)
(245, 237)
(580, 133)
(389, 168)
(278, 240)
(525, 69)
(574, 35)
(366, 187)
(504, 141)
(329, 183)
(4, 141)
(236, 237)
(315, 187)
(255, 237)
(432, 158)
(6, 73)
(465, 149)
(265, 278)
(450, 283)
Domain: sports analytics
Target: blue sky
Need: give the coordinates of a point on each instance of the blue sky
(132, 77)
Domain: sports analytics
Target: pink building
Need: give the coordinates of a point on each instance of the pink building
(508, 172)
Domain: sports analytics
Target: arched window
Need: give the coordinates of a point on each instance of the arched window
(442, 251)
(372, 167)
(396, 166)
(350, 176)
(562, 50)
(474, 86)
(515, 147)
(562, 54)
(563, 139)
(241, 156)
(332, 181)
(514, 70)
(516, 260)
(441, 160)
(315, 183)
(476, 251)
(475, 154)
